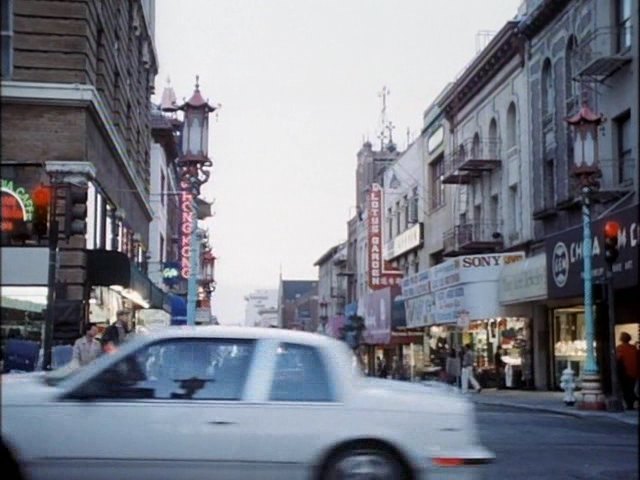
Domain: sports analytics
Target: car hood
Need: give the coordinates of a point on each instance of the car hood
(408, 396)
(25, 389)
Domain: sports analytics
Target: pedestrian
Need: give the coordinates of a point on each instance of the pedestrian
(453, 367)
(628, 358)
(117, 332)
(384, 369)
(467, 370)
(499, 367)
(87, 348)
(378, 366)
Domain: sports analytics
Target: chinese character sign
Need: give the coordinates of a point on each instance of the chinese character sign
(379, 275)
(186, 228)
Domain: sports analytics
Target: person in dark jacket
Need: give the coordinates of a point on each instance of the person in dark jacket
(116, 333)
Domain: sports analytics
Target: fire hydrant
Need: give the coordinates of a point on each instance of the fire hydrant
(568, 384)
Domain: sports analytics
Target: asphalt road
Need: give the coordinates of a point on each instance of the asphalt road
(533, 445)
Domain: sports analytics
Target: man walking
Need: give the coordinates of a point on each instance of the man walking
(87, 348)
(116, 333)
(467, 370)
(628, 365)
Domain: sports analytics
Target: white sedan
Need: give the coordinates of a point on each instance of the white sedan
(235, 403)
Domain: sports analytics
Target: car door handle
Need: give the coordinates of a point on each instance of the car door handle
(220, 422)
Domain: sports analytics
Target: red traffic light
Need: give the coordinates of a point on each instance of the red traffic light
(41, 196)
(611, 229)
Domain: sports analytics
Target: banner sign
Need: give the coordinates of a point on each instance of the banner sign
(380, 275)
(187, 213)
(564, 255)
(377, 317)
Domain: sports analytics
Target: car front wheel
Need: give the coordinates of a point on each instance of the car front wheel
(364, 463)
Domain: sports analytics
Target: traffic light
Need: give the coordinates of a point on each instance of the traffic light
(611, 252)
(41, 203)
(75, 220)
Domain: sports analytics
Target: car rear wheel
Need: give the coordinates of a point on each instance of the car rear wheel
(361, 463)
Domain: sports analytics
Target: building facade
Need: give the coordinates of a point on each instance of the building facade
(584, 54)
(260, 306)
(76, 84)
(332, 288)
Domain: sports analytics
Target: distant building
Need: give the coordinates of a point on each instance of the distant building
(259, 301)
(298, 304)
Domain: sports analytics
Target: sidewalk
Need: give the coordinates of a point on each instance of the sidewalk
(543, 401)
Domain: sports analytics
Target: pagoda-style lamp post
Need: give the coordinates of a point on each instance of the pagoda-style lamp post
(586, 170)
(193, 166)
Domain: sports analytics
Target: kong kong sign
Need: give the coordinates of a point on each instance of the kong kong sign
(187, 213)
(380, 275)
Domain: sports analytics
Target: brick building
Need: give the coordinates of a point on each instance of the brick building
(77, 78)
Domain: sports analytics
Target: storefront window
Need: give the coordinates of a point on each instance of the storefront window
(570, 346)
(513, 337)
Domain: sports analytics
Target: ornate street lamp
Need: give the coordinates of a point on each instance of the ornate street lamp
(586, 170)
(193, 165)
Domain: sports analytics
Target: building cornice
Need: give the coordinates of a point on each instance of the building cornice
(506, 45)
(541, 16)
(75, 94)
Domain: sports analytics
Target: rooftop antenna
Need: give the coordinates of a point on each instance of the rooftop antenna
(384, 93)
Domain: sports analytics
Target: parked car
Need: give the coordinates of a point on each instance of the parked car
(234, 403)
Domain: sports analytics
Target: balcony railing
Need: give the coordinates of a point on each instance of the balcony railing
(603, 52)
(472, 237)
(472, 157)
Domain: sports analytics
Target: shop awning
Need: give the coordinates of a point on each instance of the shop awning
(110, 268)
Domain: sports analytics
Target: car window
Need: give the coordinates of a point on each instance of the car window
(182, 369)
(300, 375)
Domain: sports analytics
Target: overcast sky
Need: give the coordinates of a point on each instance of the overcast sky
(298, 81)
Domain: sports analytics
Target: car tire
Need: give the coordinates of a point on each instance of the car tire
(370, 462)
(10, 468)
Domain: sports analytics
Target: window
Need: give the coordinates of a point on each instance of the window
(389, 223)
(547, 93)
(475, 147)
(100, 220)
(161, 256)
(300, 375)
(571, 90)
(493, 139)
(162, 186)
(6, 38)
(414, 206)
(625, 163)
(405, 201)
(511, 126)
(109, 220)
(437, 185)
(90, 236)
(513, 210)
(184, 369)
(623, 14)
(549, 180)
(398, 219)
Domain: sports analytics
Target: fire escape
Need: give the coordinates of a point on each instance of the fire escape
(467, 162)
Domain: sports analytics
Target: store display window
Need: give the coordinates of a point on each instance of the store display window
(570, 346)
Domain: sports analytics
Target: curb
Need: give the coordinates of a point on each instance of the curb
(555, 410)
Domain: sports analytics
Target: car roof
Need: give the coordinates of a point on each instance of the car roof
(257, 333)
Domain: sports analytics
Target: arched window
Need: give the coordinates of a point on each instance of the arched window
(475, 147)
(547, 91)
(511, 126)
(571, 85)
(493, 138)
